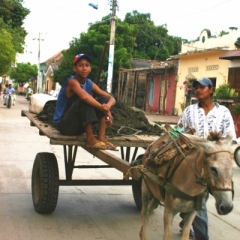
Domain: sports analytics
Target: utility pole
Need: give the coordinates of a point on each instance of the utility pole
(114, 5)
(39, 77)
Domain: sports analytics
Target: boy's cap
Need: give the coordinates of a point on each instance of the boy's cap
(80, 56)
(204, 82)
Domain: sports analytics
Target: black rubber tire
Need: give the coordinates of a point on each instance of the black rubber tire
(237, 156)
(137, 190)
(45, 182)
(9, 103)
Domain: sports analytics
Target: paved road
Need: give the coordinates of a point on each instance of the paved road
(85, 213)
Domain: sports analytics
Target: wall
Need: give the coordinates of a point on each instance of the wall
(159, 83)
(205, 64)
(208, 41)
(234, 63)
(200, 58)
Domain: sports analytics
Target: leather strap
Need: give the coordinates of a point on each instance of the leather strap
(175, 191)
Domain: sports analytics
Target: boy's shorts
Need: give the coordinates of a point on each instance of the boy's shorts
(78, 116)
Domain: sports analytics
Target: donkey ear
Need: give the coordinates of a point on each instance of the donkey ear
(228, 139)
(229, 136)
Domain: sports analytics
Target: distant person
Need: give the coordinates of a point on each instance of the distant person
(5, 89)
(10, 90)
(53, 92)
(29, 92)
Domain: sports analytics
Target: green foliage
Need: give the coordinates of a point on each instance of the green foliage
(222, 33)
(238, 41)
(7, 55)
(224, 91)
(135, 37)
(23, 72)
(12, 40)
(183, 105)
(92, 43)
(12, 15)
(12, 12)
(152, 42)
(235, 108)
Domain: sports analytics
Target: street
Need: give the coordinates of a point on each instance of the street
(82, 212)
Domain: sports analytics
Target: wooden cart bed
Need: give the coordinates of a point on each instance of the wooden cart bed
(124, 142)
(45, 176)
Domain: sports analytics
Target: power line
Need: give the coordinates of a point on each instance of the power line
(201, 11)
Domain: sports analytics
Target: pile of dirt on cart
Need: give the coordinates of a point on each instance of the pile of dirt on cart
(126, 120)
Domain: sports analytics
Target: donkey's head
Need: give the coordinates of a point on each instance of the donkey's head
(217, 170)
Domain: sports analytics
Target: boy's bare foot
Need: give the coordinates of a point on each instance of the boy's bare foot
(109, 145)
(94, 143)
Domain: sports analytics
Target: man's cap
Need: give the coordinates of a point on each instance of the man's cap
(204, 82)
(81, 56)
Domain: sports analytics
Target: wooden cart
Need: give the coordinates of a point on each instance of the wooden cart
(45, 176)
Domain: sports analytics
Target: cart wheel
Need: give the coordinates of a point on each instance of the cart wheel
(137, 189)
(45, 182)
(237, 156)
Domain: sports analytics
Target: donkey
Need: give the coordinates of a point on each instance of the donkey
(208, 166)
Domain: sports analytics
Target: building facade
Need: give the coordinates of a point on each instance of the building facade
(47, 69)
(200, 58)
(149, 85)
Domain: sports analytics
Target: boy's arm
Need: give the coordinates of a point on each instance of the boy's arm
(74, 87)
(100, 92)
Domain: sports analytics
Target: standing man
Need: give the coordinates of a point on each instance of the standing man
(205, 116)
(76, 109)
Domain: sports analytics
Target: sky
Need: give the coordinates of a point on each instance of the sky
(59, 21)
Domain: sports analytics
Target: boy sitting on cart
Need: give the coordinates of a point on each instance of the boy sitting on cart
(76, 108)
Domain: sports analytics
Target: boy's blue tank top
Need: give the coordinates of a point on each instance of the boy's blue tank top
(64, 103)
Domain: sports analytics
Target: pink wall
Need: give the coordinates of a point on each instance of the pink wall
(171, 92)
(154, 107)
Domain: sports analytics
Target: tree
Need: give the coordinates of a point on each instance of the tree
(135, 37)
(12, 15)
(92, 43)
(237, 43)
(222, 33)
(152, 42)
(24, 72)
(12, 39)
(7, 52)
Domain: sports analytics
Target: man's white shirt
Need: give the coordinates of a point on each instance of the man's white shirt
(218, 119)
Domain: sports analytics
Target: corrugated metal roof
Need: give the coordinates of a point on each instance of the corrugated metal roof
(230, 55)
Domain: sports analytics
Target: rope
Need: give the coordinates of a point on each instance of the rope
(137, 131)
(128, 174)
(199, 178)
(219, 152)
